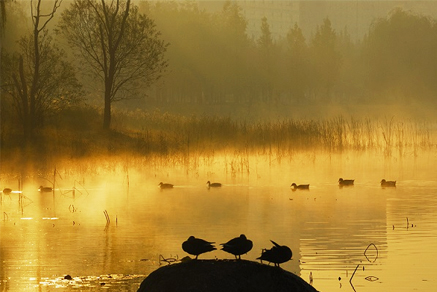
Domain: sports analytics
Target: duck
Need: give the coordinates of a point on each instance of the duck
(7, 191)
(45, 189)
(238, 246)
(165, 185)
(388, 183)
(278, 254)
(196, 246)
(299, 187)
(213, 185)
(346, 182)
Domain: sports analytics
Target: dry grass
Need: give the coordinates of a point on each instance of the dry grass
(155, 134)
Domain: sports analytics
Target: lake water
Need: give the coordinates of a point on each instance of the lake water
(360, 238)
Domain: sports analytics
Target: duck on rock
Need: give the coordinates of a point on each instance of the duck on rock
(278, 254)
(237, 246)
(196, 246)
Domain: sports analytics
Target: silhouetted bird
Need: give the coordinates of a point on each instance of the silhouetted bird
(197, 246)
(345, 182)
(278, 254)
(389, 183)
(299, 187)
(45, 189)
(165, 186)
(213, 185)
(7, 191)
(238, 246)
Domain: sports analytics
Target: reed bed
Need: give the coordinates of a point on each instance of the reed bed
(178, 139)
(165, 134)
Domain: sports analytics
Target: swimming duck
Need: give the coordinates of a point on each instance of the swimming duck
(197, 246)
(7, 191)
(346, 182)
(299, 187)
(213, 185)
(389, 183)
(45, 189)
(278, 254)
(165, 185)
(238, 246)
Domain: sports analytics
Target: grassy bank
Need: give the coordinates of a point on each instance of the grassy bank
(141, 134)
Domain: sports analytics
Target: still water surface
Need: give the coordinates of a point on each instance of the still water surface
(50, 235)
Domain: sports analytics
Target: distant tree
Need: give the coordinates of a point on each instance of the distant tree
(400, 54)
(266, 60)
(265, 41)
(350, 84)
(234, 41)
(120, 46)
(37, 78)
(326, 60)
(298, 65)
(2, 15)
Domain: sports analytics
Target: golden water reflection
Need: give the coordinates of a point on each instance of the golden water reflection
(328, 228)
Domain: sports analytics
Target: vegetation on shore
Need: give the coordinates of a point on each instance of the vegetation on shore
(78, 134)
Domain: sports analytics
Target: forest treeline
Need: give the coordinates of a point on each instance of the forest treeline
(61, 72)
(213, 60)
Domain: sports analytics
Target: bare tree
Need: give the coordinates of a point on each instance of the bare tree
(37, 77)
(120, 46)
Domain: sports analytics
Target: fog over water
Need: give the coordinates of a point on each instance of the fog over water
(328, 228)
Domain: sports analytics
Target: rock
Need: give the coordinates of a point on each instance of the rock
(223, 275)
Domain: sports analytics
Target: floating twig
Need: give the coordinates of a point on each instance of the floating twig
(353, 274)
(108, 221)
(169, 260)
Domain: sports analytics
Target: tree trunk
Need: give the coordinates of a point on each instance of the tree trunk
(107, 110)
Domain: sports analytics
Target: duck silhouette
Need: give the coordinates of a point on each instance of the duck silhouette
(165, 185)
(7, 191)
(299, 187)
(238, 246)
(213, 185)
(345, 182)
(196, 246)
(43, 189)
(389, 183)
(278, 254)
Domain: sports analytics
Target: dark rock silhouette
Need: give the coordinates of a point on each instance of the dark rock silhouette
(223, 276)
